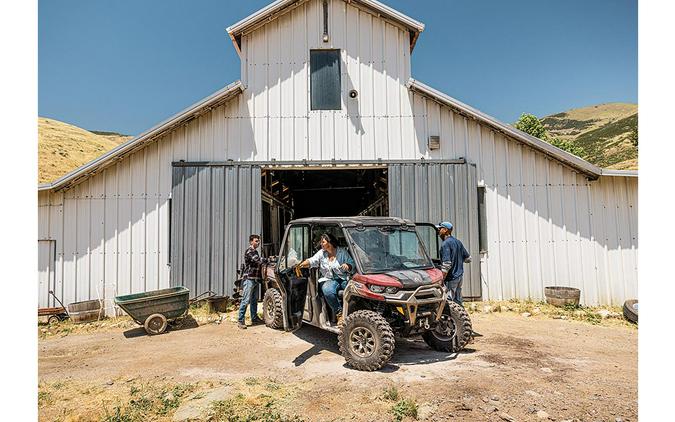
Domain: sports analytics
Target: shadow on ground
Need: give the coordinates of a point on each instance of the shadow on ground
(186, 324)
(409, 351)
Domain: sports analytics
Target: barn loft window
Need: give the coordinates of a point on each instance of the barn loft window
(325, 82)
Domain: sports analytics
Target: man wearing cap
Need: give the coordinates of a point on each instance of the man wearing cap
(453, 256)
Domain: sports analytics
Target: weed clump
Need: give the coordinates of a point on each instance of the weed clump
(146, 402)
(390, 394)
(262, 408)
(403, 408)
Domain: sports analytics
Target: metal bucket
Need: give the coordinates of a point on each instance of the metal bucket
(218, 303)
(562, 296)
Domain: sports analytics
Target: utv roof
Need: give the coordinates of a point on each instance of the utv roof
(355, 221)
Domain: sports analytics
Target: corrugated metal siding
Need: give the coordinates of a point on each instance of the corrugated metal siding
(46, 272)
(542, 219)
(440, 192)
(375, 60)
(214, 210)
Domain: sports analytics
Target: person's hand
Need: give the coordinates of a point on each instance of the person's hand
(344, 267)
(298, 271)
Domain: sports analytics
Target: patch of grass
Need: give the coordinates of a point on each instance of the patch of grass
(67, 327)
(390, 394)
(117, 415)
(170, 400)
(261, 408)
(541, 309)
(44, 398)
(273, 386)
(147, 402)
(251, 381)
(403, 408)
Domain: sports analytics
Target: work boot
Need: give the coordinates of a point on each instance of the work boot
(257, 321)
(339, 318)
(241, 325)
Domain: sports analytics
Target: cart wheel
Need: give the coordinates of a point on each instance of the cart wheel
(155, 324)
(54, 319)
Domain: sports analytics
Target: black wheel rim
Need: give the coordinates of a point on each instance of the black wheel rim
(362, 342)
(445, 330)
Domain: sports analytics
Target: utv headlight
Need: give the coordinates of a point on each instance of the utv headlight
(375, 288)
(391, 290)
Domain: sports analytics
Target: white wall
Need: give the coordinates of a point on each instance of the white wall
(375, 62)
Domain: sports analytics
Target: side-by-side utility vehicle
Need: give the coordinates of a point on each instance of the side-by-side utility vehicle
(395, 290)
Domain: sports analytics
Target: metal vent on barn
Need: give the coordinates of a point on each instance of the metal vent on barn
(434, 142)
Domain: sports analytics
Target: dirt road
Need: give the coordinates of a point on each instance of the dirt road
(523, 369)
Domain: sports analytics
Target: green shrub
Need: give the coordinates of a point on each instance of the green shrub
(403, 408)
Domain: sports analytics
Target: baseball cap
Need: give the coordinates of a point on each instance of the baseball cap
(445, 224)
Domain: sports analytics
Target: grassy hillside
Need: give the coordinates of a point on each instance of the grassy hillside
(602, 131)
(63, 147)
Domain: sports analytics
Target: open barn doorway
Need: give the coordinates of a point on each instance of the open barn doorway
(291, 194)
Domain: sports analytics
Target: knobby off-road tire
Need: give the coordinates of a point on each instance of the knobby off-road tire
(273, 309)
(366, 340)
(629, 312)
(454, 335)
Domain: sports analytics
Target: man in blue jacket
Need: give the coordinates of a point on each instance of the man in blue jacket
(453, 256)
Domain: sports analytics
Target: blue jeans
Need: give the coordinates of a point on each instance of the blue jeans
(455, 290)
(250, 296)
(330, 288)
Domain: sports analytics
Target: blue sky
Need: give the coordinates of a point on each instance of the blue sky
(126, 65)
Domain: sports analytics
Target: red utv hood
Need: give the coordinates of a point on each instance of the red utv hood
(406, 279)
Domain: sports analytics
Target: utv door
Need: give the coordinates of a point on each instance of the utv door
(428, 233)
(295, 248)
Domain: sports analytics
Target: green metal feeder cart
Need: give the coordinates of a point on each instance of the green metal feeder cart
(156, 309)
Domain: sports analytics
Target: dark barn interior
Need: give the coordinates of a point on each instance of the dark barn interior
(293, 194)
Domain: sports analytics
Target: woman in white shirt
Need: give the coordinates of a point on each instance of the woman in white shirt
(335, 265)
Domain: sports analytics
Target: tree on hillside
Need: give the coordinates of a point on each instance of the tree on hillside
(634, 136)
(531, 125)
(566, 146)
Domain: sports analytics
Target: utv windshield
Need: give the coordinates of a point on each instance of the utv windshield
(384, 249)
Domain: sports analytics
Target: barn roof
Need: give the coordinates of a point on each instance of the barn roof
(230, 91)
(133, 145)
(583, 166)
(273, 10)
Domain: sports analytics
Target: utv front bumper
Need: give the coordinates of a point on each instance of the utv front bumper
(422, 304)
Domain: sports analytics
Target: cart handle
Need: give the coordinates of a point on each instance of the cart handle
(199, 297)
(51, 292)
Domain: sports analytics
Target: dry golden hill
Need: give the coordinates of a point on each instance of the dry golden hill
(63, 147)
(603, 131)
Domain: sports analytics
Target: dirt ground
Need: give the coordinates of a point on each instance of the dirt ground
(522, 369)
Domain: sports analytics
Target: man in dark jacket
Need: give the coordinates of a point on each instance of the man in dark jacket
(252, 276)
(453, 256)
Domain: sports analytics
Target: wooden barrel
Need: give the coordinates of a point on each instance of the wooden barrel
(87, 311)
(562, 296)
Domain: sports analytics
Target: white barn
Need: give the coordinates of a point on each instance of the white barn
(327, 108)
